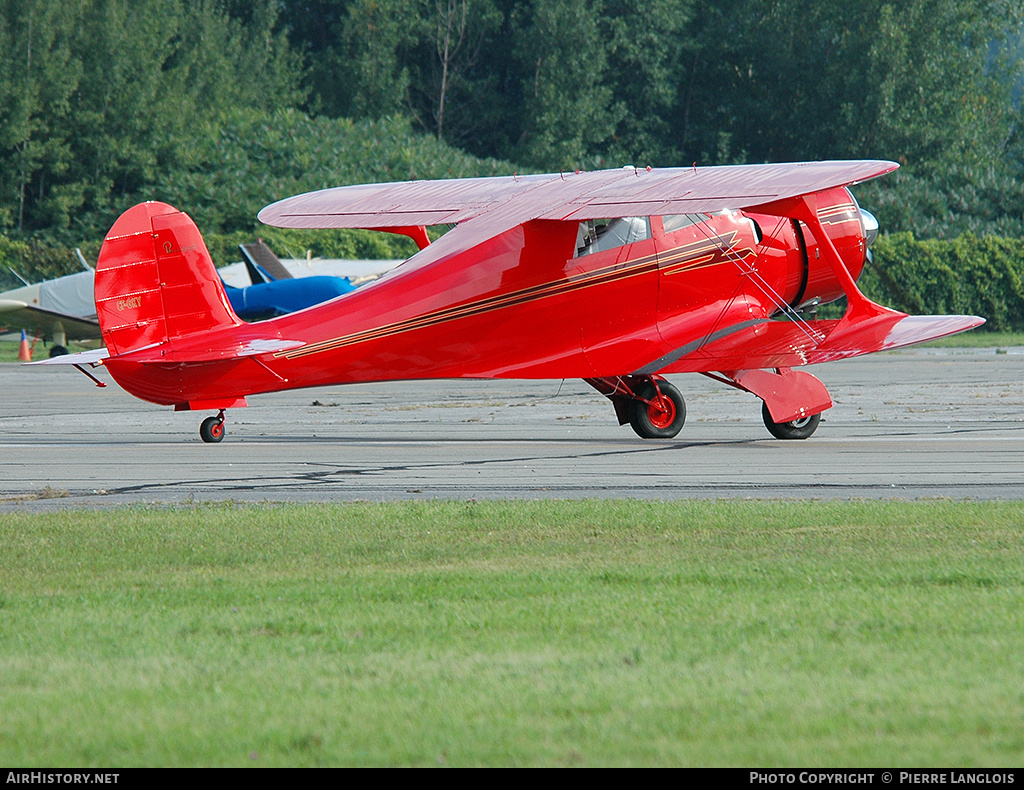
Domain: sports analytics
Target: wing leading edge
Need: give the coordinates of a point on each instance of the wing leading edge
(582, 195)
(500, 203)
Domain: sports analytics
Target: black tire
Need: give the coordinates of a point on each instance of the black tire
(212, 430)
(57, 351)
(663, 417)
(796, 429)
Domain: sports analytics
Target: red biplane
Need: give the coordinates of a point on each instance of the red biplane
(617, 277)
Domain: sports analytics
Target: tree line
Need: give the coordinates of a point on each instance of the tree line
(560, 83)
(222, 106)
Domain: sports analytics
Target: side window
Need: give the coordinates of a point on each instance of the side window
(598, 235)
(675, 222)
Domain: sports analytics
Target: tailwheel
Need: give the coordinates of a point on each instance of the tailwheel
(212, 429)
(658, 411)
(795, 429)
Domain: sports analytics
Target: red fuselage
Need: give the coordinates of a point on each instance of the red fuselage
(531, 303)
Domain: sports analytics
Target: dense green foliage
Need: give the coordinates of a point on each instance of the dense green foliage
(251, 159)
(571, 82)
(101, 98)
(222, 106)
(968, 275)
(254, 158)
(559, 84)
(35, 260)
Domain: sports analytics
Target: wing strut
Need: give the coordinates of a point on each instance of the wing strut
(858, 307)
(805, 209)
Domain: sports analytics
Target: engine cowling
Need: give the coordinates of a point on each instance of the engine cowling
(788, 243)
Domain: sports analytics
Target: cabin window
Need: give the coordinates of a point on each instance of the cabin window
(675, 222)
(598, 235)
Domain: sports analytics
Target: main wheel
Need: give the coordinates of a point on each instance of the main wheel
(655, 416)
(795, 429)
(212, 430)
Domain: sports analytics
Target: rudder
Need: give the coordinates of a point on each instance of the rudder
(155, 280)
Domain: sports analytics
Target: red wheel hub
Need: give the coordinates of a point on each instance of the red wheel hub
(661, 411)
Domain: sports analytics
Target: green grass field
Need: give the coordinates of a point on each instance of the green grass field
(515, 634)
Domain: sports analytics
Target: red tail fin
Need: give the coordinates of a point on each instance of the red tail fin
(155, 280)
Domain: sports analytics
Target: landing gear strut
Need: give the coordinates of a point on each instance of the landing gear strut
(212, 429)
(658, 411)
(652, 406)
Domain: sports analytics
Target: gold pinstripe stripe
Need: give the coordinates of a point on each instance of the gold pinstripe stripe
(603, 276)
(839, 215)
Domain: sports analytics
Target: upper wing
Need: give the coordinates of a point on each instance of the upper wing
(486, 207)
(711, 189)
(398, 204)
(591, 195)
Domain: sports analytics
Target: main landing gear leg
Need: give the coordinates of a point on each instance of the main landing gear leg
(212, 429)
(787, 393)
(652, 406)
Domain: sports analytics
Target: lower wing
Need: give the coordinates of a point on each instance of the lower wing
(786, 344)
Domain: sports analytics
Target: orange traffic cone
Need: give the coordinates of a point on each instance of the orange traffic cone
(24, 352)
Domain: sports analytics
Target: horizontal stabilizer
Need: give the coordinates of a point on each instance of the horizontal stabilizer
(231, 348)
(165, 352)
(92, 357)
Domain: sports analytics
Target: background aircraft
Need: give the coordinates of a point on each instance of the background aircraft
(55, 310)
(274, 291)
(64, 308)
(617, 277)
